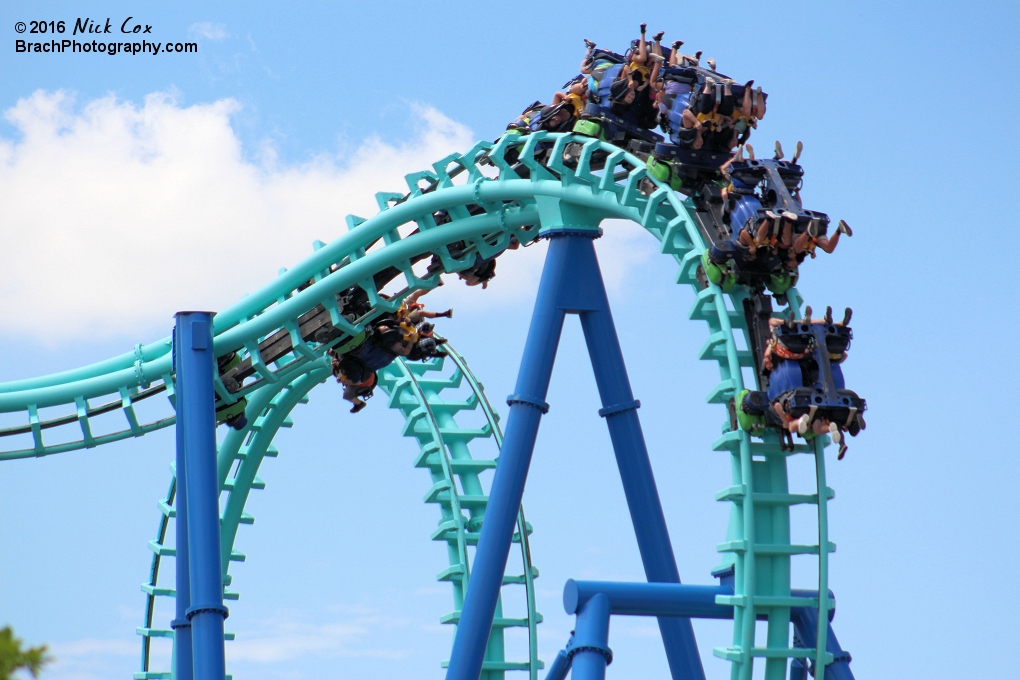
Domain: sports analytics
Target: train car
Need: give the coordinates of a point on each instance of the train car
(627, 126)
(801, 383)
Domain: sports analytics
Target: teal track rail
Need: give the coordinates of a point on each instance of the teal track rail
(417, 390)
(757, 545)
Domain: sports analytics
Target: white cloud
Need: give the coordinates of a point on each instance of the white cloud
(293, 640)
(286, 640)
(115, 215)
(96, 659)
(91, 646)
(208, 30)
(285, 637)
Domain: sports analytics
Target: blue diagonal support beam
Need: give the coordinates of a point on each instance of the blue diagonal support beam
(571, 283)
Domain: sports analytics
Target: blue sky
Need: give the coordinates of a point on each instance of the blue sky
(227, 164)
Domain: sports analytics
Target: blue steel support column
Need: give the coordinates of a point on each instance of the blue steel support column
(527, 405)
(560, 666)
(619, 408)
(182, 659)
(571, 282)
(590, 653)
(677, 600)
(196, 404)
(669, 599)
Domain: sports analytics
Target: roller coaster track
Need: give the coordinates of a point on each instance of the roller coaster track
(488, 198)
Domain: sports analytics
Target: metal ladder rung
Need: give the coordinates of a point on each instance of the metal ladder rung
(256, 483)
(503, 665)
(459, 466)
(722, 392)
(396, 389)
(466, 500)
(744, 358)
(522, 579)
(447, 531)
(440, 493)
(465, 434)
(770, 549)
(738, 493)
(128, 408)
(688, 266)
(503, 622)
(438, 488)
(714, 349)
(450, 536)
(243, 452)
(762, 601)
(675, 240)
(426, 453)
(161, 549)
(258, 364)
(158, 591)
(436, 383)
(737, 654)
(730, 441)
(703, 309)
(412, 419)
(454, 407)
(452, 573)
(82, 408)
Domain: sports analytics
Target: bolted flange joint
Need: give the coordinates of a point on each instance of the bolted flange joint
(571, 231)
(534, 403)
(198, 609)
(619, 408)
(604, 651)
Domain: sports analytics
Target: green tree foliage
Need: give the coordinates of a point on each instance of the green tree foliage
(13, 658)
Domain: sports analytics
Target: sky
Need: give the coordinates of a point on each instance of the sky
(132, 186)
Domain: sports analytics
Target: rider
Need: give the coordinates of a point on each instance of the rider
(576, 95)
(416, 312)
(806, 242)
(523, 122)
(788, 367)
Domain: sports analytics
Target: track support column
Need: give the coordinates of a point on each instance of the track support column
(527, 405)
(197, 418)
(571, 283)
(591, 654)
(619, 408)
